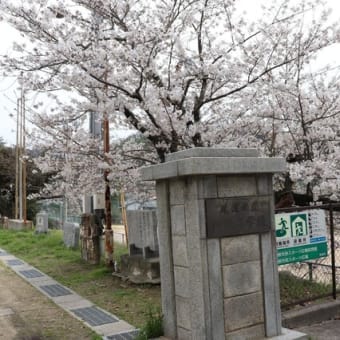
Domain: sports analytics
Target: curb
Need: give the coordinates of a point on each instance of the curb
(311, 315)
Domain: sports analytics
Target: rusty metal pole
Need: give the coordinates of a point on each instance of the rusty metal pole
(331, 227)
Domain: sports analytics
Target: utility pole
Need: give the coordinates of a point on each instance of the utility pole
(20, 161)
(108, 232)
(124, 218)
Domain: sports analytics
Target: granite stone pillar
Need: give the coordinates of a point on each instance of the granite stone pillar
(219, 277)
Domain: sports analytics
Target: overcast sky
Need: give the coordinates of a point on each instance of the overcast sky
(9, 88)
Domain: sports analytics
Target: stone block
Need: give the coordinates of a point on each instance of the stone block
(240, 249)
(166, 259)
(150, 230)
(271, 289)
(41, 223)
(232, 165)
(142, 231)
(178, 220)
(206, 161)
(242, 278)
(183, 334)
(177, 187)
(199, 288)
(146, 173)
(243, 311)
(236, 186)
(179, 250)
(202, 218)
(250, 333)
(89, 239)
(160, 171)
(264, 184)
(212, 152)
(183, 312)
(139, 269)
(135, 229)
(207, 187)
(192, 221)
(215, 288)
(71, 235)
(182, 282)
(19, 225)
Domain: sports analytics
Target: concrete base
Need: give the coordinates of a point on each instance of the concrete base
(19, 225)
(290, 334)
(137, 269)
(287, 334)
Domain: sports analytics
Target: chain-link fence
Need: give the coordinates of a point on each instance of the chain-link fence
(304, 281)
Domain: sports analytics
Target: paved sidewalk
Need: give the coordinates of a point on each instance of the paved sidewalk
(321, 321)
(326, 330)
(100, 321)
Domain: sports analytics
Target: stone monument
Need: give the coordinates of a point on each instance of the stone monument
(41, 222)
(90, 233)
(141, 265)
(71, 234)
(142, 232)
(219, 277)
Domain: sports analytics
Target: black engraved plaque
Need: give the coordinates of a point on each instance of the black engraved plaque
(237, 216)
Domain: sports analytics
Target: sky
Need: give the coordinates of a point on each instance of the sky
(9, 91)
(8, 88)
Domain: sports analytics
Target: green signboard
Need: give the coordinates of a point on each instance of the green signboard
(301, 236)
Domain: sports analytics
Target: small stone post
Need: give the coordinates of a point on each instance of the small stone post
(42, 222)
(215, 213)
(89, 239)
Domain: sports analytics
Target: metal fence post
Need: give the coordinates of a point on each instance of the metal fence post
(331, 225)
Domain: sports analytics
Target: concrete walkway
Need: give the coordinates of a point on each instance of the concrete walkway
(100, 321)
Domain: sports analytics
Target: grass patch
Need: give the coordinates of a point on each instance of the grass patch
(95, 282)
(153, 327)
(294, 289)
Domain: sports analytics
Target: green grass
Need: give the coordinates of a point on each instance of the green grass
(294, 289)
(153, 327)
(95, 282)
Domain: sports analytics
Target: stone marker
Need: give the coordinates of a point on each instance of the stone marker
(41, 222)
(142, 232)
(90, 233)
(71, 234)
(141, 265)
(215, 212)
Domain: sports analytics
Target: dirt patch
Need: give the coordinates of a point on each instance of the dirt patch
(25, 314)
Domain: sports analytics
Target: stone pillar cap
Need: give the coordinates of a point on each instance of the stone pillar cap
(211, 152)
(211, 161)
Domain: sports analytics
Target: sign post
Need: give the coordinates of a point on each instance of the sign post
(301, 236)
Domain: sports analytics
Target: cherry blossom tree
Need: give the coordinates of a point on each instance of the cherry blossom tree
(182, 73)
